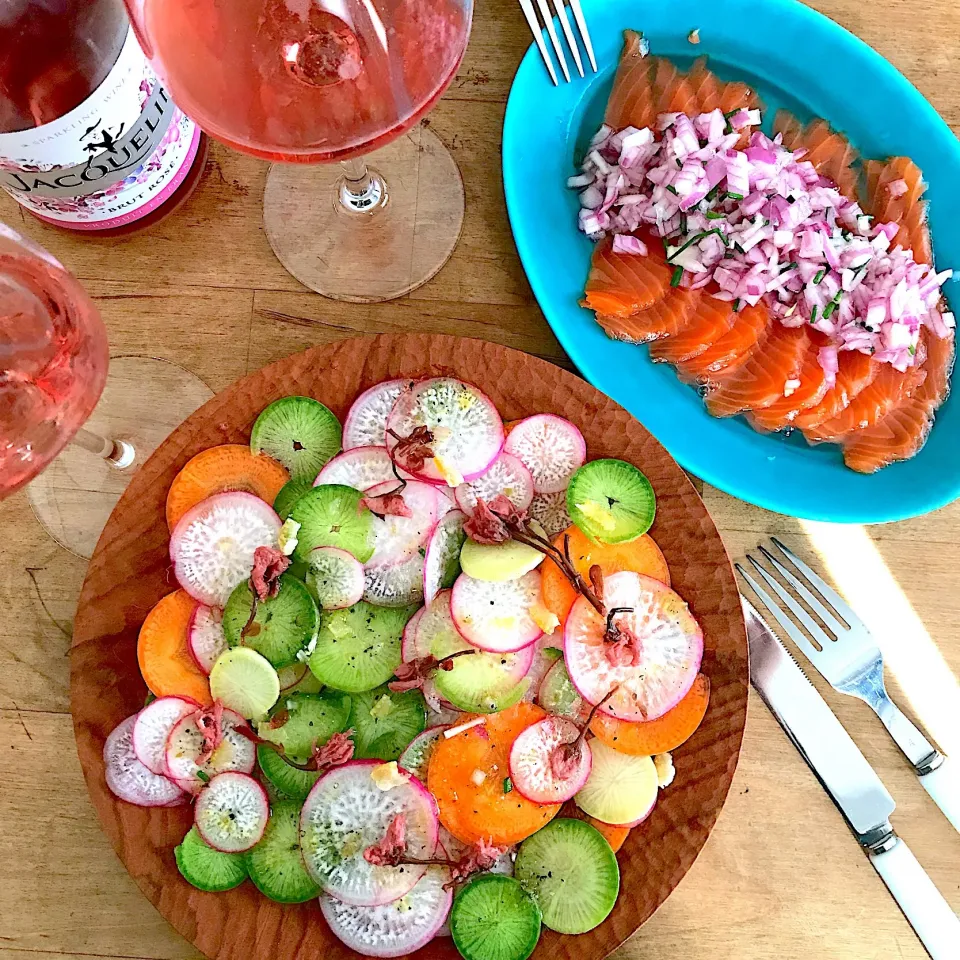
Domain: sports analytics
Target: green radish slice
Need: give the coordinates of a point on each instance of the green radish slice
(496, 616)
(231, 812)
(290, 676)
(208, 869)
(532, 769)
(287, 780)
(494, 918)
(416, 758)
(299, 432)
(394, 585)
(283, 626)
(245, 681)
(334, 577)
(496, 562)
(611, 501)
(366, 423)
(331, 516)
(302, 720)
(620, 789)
(558, 695)
(570, 870)
(550, 511)
(348, 811)
(275, 864)
(359, 468)
(289, 494)
(205, 638)
(185, 746)
(385, 723)
(551, 448)
(441, 562)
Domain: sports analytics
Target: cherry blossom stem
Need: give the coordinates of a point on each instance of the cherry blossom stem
(563, 562)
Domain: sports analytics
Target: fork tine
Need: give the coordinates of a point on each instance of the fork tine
(548, 23)
(527, 8)
(568, 33)
(584, 32)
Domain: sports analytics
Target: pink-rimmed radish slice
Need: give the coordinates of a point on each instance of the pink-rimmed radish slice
(547, 650)
(416, 758)
(236, 753)
(128, 778)
(348, 811)
(212, 546)
(394, 929)
(669, 648)
(552, 449)
(507, 476)
(621, 789)
(398, 539)
(394, 584)
(360, 468)
(532, 770)
(550, 511)
(495, 616)
(366, 423)
(335, 577)
(205, 637)
(152, 730)
(290, 676)
(642, 817)
(231, 812)
(408, 640)
(467, 430)
(441, 562)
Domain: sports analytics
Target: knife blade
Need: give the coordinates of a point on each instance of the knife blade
(851, 783)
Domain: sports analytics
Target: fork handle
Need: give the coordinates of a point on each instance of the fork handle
(914, 745)
(943, 785)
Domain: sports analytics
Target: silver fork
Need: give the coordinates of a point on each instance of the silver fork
(537, 31)
(850, 661)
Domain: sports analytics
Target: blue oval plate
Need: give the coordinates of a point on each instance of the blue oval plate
(797, 59)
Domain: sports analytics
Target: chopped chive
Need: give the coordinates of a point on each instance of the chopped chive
(828, 310)
(679, 163)
(202, 775)
(819, 275)
(730, 113)
(733, 196)
(738, 248)
(713, 215)
(695, 238)
(712, 193)
(683, 223)
(507, 785)
(736, 305)
(677, 277)
(672, 189)
(792, 265)
(813, 314)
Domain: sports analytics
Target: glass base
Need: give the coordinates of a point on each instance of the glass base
(144, 400)
(395, 246)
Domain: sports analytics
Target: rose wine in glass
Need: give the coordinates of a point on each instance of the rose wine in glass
(308, 83)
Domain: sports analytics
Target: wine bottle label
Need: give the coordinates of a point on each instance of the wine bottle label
(108, 162)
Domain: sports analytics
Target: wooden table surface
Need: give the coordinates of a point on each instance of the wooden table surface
(780, 876)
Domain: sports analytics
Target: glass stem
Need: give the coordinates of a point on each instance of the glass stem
(361, 191)
(118, 453)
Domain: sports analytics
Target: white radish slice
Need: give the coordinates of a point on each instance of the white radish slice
(531, 769)
(397, 539)
(395, 584)
(128, 778)
(394, 929)
(550, 511)
(507, 476)
(468, 431)
(670, 645)
(495, 616)
(290, 676)
(335, 577)
(621, 789)
(205, 636)
(346, 812)
(212, 546)
(544, 661)
(551, 447)
(436, 630)
(185, 743)
(366, 423)
(231, 812)
(408, 641)
(360, 468)
(152, 730)
(416, 757)
(441, 563)
(441, 712)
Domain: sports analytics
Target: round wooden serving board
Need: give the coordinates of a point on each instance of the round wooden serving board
(130, 571)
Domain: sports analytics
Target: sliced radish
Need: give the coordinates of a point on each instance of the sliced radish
(231, 812)
(395, 584)
(394, 929)
(552, 449)
(441, 711)
(441, 562)
(435, 629)
(185, 744)
(416, 757)
(335, 577)
(366, 423)
(669, 647)
(532, 768)
(128, 778)
(408, 642)
(550, 511)
(467, 430)
(212, 546)
(290, 676)
(346, 812)
(621, 789)
(397, 539)
(547, 650)
(507, 476)
(205, 637)
(495, 616)
(152, 730)
(360, 468)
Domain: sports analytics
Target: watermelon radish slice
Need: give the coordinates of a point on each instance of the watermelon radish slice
(128, 778)
(360, 468)
(152, 730)
(669, 647)
(395, 584)
(348, 811)
(334, 577)
(558, 695)
(550, 511)
(508, 476)
(398, 539)
(408, 642)
(531, 767)
(552, 449)
(416, 758)
(495, 616)
(185, 744)
(205, 637)
(467, 430)
(394, 929)
(441, 563)
(366, 423)
(231, 812)
(212, 546)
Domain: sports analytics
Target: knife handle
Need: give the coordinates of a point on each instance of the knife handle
(943, 785)
(931, 917)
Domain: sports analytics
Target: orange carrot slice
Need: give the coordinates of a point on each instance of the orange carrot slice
(614, 833)
(660, 735)
(163, 652)
(221, 469)
(469, 776)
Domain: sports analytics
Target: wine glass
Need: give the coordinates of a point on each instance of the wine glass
(53, 379)
(317, 84)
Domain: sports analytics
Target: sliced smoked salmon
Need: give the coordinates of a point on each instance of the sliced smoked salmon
(857, 370)
(622, 284)
(908, 209)
(711, 319)
(632, 102)
(707, 88)
(748, 326)
(828, 151)
(666, 318)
